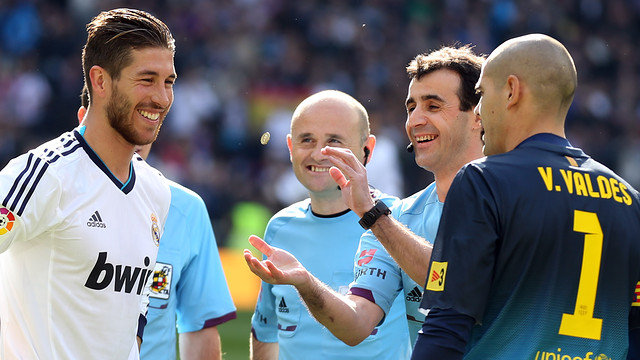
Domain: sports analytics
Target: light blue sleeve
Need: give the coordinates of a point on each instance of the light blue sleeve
(203, 295)
(376, 273)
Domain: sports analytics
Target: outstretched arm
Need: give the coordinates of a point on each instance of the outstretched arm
(350, 318)
(410, 251)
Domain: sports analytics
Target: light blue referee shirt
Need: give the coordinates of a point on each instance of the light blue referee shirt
(378, 277)
(188, 282)
(325, 246)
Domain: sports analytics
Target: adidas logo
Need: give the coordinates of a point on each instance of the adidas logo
(414, 295)
(282, 307)
(96, 221)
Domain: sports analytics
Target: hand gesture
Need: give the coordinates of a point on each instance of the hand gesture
(280, 267)
(349, 173)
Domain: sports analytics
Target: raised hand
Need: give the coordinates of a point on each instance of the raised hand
(280, 267)
(349, 173)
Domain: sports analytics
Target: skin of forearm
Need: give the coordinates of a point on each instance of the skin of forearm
(410, 251)
(203, 344)
(338, 313)
(262, 350)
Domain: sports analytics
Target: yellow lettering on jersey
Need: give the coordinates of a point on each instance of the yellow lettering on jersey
(568, 179)
(546, 176)
(578, 180)
(605, 187)
(626, 198)
(437, 276)
(615, 189)
(592, 193)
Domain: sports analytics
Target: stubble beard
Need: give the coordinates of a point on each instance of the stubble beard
(118, 111)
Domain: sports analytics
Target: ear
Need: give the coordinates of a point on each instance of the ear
(100, 80)
(513, 86)
(81, 111)
(369, 145)
(290, 146)
(477, 122)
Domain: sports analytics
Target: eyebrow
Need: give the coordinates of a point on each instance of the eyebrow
(328, 136)
(424, 98)
(155, 73)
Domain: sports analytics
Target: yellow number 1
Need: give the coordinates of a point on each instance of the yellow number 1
(582, 323)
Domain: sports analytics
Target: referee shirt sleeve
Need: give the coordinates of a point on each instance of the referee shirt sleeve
(203, 297)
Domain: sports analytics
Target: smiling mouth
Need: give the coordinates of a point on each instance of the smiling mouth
(314, 168)
(426, 138)
(149, 115)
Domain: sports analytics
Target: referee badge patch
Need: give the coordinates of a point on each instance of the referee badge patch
(437, 276)
(6, 220)
(636, 302)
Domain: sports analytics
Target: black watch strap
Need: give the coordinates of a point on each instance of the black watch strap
(370, 217)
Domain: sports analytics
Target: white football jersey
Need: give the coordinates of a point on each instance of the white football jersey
(76, 248)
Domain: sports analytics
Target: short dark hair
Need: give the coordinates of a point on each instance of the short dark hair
(113, 34)
(460, 59)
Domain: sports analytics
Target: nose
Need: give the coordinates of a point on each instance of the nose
(476, 110)
(162, 96)
(416, 118)
(316, 153)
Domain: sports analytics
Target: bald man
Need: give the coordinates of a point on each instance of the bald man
(323, 234)
(537, 253)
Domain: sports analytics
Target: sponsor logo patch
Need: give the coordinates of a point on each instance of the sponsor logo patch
(415, 295)
(366, 256)
(95, 221)
(282, 306)
(437, 276)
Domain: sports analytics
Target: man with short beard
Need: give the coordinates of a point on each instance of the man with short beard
(81, 217)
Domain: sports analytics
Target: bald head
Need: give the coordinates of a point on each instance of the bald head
(337, 100)
(543, 64)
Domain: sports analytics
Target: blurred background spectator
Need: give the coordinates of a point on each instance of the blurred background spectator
(243, 65)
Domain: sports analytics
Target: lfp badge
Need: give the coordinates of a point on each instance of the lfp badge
(6, 220)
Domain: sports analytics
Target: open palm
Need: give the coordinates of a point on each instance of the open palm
(280, 267)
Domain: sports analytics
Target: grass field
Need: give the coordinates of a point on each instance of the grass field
(234, 336)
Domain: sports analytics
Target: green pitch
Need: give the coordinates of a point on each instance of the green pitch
(234, 336)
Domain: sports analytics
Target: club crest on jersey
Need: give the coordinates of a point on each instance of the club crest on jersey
(161, 284)
(155, 230)
(437, 276)
(6, 220)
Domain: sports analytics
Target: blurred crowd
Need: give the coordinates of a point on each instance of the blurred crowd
(243, 65)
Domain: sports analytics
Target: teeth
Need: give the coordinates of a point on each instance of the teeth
(319, 169)
(148, 115)
(425, 138)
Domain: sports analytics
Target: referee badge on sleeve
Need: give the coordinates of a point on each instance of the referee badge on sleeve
(437, 276)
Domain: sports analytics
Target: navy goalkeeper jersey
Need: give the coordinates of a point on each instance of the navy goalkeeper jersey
(541, 246)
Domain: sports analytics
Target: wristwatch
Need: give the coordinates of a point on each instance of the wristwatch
(370, 217)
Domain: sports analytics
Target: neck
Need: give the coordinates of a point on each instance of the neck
(109, 145)
(444, 177)
(327, 205)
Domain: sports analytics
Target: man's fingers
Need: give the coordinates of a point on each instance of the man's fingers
(338, 177)
(342, 157)
(261, 245)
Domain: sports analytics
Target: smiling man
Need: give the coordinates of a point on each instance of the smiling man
(81, 219)
(323, 234)
(444, 134)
